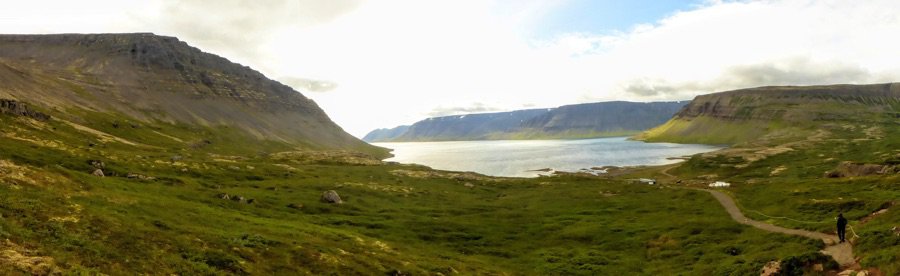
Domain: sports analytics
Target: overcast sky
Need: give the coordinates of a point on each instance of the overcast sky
(374, 64)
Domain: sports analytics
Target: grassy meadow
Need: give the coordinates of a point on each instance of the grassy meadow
(169, 217)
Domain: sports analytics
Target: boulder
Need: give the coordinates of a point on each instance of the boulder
(97, 164)
(98, 172)
(331, 196)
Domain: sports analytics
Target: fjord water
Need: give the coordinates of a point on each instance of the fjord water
(520, 158)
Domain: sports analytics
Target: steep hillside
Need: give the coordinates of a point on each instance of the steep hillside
(385, 134)
(468, 127)
(599, 119)
(782, 113)
(151, 79)
(566, 122)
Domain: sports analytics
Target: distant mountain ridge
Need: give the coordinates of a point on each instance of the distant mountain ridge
(603, 119)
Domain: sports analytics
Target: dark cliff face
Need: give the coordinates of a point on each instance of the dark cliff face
(151, 77)
(565, 122)
(794, 102)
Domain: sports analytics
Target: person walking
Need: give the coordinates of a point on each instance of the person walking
(841, 227)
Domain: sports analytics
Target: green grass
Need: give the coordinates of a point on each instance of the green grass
(390, 222)
(802, 192)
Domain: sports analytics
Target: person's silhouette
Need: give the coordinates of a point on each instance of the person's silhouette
(841, 227)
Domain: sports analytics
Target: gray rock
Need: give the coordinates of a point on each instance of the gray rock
(97, 164)
(16, 108)
(331, 196)
(98, 172)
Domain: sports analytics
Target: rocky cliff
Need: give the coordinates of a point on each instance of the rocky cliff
(590, 120)
(152, 78)
(748, 114)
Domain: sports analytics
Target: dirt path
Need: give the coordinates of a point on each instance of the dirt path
(665, 171)
(841, 252)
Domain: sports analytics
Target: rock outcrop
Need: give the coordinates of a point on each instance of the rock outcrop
(16, 108)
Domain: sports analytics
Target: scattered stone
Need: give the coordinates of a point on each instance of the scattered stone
(223, 196)
(98, 172)
(176, 158)
(848, 272)
(469, 185)
(896, 230)
(770, 269)
(97, 164)
(297, 206)
(238, 198)
(139, 176)
(331, 196)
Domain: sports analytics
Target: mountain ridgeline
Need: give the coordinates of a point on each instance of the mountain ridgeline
(149, 79)
(591, 120)
(778, 112)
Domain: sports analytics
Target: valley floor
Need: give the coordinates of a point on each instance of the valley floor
(160, 208)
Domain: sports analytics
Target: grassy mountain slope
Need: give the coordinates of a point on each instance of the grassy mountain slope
(786, 113)
(148, 78)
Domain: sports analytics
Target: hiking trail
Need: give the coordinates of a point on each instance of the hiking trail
(841, 252)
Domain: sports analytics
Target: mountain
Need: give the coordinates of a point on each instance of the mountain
(777, 112)
(385, 134)
(151, 79)
(114, 161)
(485, 126)
(589, 120)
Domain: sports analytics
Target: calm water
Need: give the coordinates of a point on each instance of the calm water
(516, 158)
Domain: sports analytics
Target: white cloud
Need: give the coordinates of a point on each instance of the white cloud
(396, 61)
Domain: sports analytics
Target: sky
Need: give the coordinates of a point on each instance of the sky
(378, 64)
